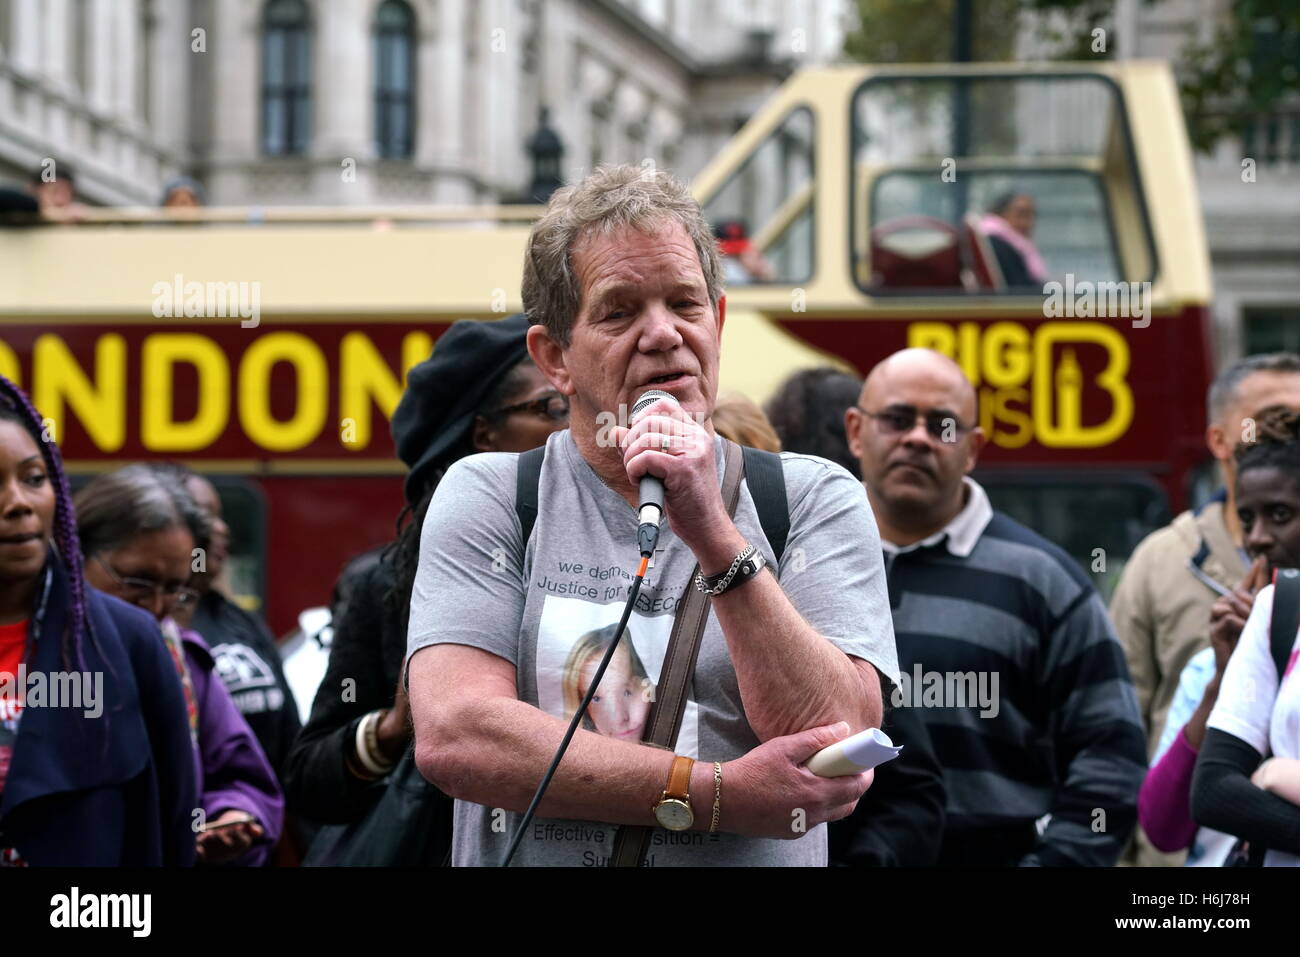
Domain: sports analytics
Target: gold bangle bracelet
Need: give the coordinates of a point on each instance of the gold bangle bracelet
(717, 797)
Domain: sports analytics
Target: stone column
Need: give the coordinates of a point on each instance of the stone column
(235, 64)
(446, 85)
(56, 42)
(25, 37)
(428, 93)
(125, 49)
(174, 64)
(343, 76)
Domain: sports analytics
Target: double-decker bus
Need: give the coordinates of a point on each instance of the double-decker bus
(267, 348)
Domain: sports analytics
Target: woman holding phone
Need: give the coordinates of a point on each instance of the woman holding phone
(139, 531)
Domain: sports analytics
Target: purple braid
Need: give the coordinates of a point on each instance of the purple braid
(65, 528)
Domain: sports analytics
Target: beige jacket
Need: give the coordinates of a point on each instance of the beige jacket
(1161, 607)
(1161, 611)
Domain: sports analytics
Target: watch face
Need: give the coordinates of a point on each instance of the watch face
(674, 814)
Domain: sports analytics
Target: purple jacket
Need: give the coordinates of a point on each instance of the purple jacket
(233, 771)
(1164, 803)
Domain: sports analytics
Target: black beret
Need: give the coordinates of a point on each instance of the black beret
(433, 422)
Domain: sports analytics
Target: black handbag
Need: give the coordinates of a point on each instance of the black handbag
(408, 824)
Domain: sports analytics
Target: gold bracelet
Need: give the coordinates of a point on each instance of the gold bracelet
(717, 797)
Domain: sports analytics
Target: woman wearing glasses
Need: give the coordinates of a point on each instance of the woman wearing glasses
(107, 780)
(140, 531)
(479, 392)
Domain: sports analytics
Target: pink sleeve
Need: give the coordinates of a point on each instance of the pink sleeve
(1164, 803)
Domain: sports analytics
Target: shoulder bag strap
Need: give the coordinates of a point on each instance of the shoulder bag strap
(665, 719)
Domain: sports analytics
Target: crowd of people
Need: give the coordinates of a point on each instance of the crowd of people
(1039, 727)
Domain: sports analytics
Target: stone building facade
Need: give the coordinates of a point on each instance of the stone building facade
(358, 102)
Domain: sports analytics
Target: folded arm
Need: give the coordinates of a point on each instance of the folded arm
(1224, 798)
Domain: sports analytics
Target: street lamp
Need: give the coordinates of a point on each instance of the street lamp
(546, 150)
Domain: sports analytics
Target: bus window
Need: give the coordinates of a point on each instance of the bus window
(994, 184)
(763, 214)
(1121, 511)
(1071, 212)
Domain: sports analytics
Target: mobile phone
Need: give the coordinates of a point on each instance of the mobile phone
(209, 828)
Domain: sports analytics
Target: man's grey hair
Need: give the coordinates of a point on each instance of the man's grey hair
(610, 199)
(1224, 389)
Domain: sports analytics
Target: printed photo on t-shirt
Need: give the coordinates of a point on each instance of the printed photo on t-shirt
(572, 638)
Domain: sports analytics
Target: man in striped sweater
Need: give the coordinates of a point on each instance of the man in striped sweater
(1003, 644)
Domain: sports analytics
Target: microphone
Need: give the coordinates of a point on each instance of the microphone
(650, 512)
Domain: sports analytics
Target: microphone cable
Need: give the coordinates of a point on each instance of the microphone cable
(582, 708)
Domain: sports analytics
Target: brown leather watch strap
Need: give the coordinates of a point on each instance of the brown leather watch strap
(665, 720)
(679, 778)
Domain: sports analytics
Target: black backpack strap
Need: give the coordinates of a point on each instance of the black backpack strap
(766, 480)
(1286, 617)
(529, 478)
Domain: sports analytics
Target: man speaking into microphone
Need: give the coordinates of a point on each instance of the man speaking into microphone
(509, 624)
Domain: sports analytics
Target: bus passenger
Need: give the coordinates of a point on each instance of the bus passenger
(1162, 604)
(742, 261)
(183, 192)
(139, 531)
(106, 781)
(1003, 643)
(478, 392)
(1009, 226)
(55, 190)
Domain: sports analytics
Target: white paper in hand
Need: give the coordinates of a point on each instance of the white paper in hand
(861, 752)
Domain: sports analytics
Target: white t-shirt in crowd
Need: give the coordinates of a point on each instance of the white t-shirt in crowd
(1255, 706)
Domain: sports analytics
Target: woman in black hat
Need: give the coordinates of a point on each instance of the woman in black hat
(478, 392)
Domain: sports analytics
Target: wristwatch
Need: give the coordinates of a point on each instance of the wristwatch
(674, 808)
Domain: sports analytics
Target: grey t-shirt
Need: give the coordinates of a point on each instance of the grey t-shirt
(551, 611)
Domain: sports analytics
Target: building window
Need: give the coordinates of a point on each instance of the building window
(1271, 329)
(394, 79)
(286, 78)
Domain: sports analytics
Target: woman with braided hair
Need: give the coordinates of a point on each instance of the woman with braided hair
(100, 772)
(1247, 778)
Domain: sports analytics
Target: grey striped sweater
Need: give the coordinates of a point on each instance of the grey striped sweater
(1021, 680)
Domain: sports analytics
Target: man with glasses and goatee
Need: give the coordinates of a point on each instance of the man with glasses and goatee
(1003, 644)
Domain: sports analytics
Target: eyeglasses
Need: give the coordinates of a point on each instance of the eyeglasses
(139, 590)
(554, 406)
(940, 423)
